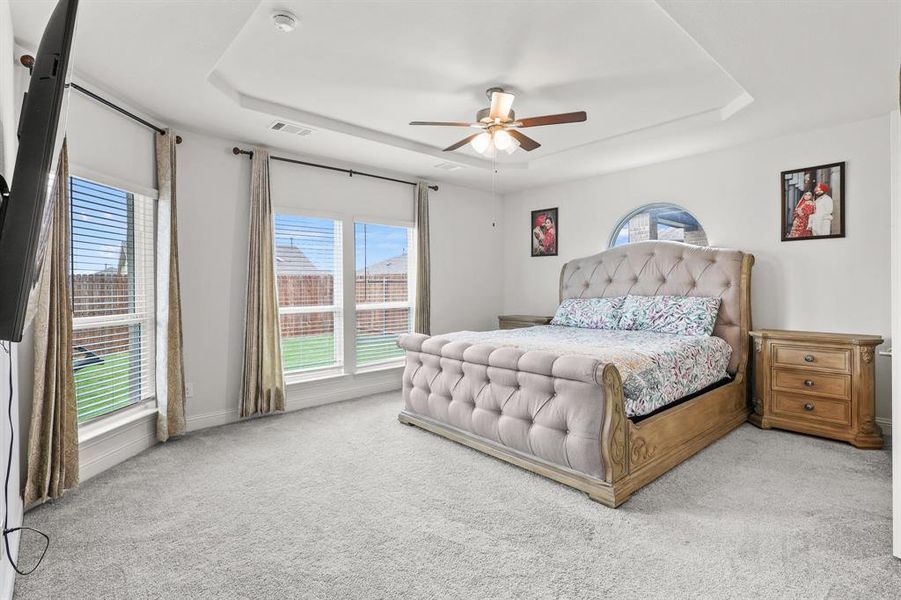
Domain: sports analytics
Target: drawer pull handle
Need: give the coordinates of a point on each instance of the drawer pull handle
(808, 382)
(808, 407)
(808, 358)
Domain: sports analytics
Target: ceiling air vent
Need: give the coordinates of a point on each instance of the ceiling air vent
(448, 166)
(292, 128)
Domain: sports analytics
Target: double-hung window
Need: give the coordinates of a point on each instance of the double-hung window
(384, 291)
(112, 284)
(308, 283)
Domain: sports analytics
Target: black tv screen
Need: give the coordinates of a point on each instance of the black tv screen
(25, 216)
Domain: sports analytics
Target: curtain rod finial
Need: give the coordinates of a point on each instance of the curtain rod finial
(178, 139)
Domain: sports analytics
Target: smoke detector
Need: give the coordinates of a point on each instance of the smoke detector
(284, 21)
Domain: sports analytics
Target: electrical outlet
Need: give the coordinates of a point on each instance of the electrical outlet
(189, 390)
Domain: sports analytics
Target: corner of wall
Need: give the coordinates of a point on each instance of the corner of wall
(8, 144)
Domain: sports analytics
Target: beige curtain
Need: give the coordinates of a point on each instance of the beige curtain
(263, 389)
(53, 442)
(170, 368)
(423, 266)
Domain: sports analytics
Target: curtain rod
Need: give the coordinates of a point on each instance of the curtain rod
(28, 61)
(237, 151)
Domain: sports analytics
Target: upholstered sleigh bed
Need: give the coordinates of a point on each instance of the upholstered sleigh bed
(564, 415)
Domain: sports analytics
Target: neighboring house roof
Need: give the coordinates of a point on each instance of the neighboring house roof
(396, 265)
(290, 260)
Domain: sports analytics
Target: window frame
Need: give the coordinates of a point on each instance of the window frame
(148, 323)
(348, 339)
(338, 308)
(410, 302)
(611, 241)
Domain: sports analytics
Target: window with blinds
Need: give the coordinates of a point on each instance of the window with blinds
(112, 284)
(384, 290)
(308, 282)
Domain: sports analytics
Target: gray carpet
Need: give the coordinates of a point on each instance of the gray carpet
(344, 502)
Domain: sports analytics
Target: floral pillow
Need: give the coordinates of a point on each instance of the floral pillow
(683, 315)
(591, 313)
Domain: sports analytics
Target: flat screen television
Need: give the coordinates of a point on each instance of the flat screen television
(25, 215)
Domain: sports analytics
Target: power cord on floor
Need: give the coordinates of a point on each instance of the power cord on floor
(9, 464)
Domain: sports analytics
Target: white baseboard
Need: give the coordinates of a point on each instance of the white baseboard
(211, 419)
(885, 424)
(317, 392)
(308, 394)
(111, 447)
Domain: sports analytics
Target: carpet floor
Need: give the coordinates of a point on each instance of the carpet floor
(343, 501)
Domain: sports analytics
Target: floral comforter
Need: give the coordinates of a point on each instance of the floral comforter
(656, 368)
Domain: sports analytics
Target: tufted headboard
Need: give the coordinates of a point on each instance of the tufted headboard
(658, 268)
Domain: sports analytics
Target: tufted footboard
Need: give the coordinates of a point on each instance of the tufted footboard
(561, 416)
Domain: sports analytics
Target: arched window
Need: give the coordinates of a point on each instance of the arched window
(659, 221)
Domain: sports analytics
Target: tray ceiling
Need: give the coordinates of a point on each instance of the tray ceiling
(659, 80)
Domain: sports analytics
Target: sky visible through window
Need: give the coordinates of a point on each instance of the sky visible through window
(375, 243)
(99, 226)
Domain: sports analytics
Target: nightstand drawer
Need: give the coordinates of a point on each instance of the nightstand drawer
(812, 408)
(801, 356)
(812, 382)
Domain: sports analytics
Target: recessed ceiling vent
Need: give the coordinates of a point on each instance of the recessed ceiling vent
(292, 128)
(448, 166)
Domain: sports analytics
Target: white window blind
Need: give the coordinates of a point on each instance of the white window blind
(112, 278)
(308, 280)
(384, 290)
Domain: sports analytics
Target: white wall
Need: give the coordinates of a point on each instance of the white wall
(837, 285)
(467, 253)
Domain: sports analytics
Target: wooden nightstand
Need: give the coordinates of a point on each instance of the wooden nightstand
(816, 383)
(517, 321)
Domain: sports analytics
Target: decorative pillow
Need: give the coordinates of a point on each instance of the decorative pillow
(591, 313)
(683, 315)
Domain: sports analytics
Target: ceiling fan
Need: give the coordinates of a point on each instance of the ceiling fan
(500, 127)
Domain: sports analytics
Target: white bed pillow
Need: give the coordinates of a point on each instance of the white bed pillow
(590, 313)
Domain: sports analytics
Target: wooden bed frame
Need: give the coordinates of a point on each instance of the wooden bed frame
(635, 453)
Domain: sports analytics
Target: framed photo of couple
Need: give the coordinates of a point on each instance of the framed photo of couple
(813, 203)
(545, 229)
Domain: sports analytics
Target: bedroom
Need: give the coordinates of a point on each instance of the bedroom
(707, 123)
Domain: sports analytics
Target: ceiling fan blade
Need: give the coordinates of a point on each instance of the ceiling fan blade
(446, 123)
(525, 142)
(501, 103)
(462, 142)
(573, 117)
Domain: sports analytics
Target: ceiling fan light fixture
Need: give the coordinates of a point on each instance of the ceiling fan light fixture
(481, 142)
(503, 140)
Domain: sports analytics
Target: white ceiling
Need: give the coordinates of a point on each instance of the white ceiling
(659, 80)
